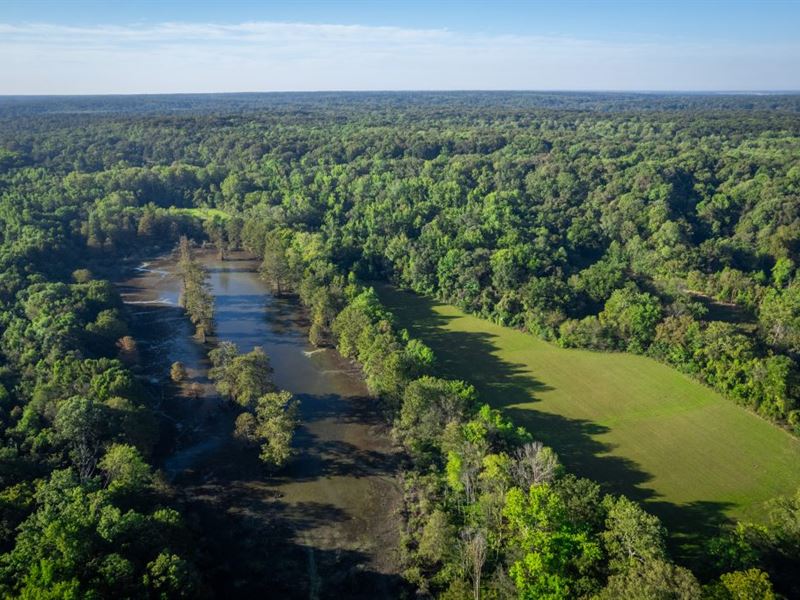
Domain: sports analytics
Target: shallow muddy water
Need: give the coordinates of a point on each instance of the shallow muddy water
(324, 526)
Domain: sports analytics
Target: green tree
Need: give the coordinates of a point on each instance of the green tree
(779, 317)
(782, 271)
(275, 267)
(436, 541)
(196, 298)
(652, 580)
(241, 377)
(633, 317)
(429, 405)
(555, 554)
(751, 584)
(271, 426)
(216, 231)
(276, 414)
(170, 576)
(631, 534)
(124, 469)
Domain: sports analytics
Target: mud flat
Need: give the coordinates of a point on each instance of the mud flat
(327, 524)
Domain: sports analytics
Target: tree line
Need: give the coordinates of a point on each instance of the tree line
(82, 511)
(196, 297)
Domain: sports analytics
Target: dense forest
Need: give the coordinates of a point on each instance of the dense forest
(663, 225)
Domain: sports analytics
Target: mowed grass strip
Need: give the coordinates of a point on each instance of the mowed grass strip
(634, 425)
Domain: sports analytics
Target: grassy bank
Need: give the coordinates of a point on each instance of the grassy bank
(634, 425)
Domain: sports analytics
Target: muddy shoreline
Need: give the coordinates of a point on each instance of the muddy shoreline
(325, 526)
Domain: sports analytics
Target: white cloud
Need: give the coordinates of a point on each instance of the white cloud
(43, 58)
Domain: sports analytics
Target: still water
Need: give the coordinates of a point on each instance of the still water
(325, 525)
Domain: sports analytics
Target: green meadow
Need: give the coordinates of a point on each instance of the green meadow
(201, 213)
(634, 425)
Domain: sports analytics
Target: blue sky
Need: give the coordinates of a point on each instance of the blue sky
(73, 46)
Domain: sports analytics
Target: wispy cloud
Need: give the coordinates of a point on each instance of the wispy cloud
(252, 56)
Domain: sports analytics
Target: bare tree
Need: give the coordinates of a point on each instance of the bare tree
(472, 460)
(177, 372)
(78, 424)
(469, 479)
(534, 463)
(128, 350)
(473, 555)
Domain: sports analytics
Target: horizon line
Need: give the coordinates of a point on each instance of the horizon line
(739, 92)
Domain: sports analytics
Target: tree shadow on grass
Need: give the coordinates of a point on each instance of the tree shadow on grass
(472, 356)
(505, 385)
(691, 526)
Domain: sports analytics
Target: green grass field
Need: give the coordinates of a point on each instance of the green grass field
(628, 422)
(201, 213)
